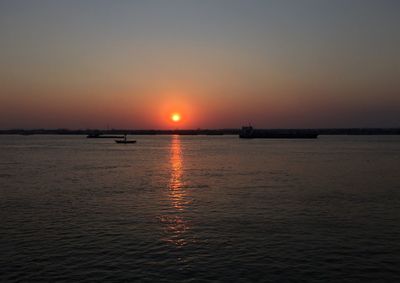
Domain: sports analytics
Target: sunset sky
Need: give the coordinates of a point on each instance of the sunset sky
(219, 64)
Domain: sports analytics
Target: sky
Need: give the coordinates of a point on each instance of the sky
(218, 63)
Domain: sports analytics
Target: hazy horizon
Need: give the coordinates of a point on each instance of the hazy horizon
(220, 64)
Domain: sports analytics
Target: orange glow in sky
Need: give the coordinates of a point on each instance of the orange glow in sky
(167, 66)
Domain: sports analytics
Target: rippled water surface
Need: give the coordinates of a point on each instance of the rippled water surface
(199, 209)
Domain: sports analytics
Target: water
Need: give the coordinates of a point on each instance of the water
(199, 209)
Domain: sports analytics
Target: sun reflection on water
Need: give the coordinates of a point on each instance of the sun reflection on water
(176, 225)
(177, 194)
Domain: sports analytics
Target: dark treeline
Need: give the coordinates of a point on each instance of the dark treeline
(337, 131)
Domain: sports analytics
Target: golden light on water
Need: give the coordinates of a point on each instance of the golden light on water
(177, 193)
(176, 225)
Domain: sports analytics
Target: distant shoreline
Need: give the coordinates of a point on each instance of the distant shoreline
(327, 131)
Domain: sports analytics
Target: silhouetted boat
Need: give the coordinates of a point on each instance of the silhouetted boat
(125, 141)
(250, 133)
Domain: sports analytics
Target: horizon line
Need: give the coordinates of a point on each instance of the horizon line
(196, 129)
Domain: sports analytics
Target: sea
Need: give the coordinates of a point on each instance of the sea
(199, 209)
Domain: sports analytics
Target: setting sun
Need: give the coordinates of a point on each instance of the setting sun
(176, 117)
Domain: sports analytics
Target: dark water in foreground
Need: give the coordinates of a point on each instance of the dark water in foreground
(198, 209)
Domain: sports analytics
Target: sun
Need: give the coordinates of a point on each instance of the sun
(176, 117)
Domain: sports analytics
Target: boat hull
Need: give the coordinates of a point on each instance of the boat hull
(279, 136)
(124, 142)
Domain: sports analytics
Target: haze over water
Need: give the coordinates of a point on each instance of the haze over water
(200, 209)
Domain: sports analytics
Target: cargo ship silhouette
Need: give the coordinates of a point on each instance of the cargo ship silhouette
(249, 133)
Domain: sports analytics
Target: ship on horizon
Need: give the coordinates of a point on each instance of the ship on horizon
(248, 132)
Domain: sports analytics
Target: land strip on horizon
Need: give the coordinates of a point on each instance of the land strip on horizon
(320, 131)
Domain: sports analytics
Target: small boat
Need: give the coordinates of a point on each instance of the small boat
(125, 141)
